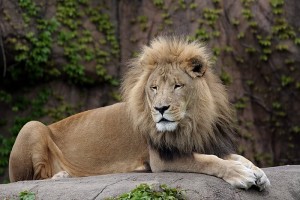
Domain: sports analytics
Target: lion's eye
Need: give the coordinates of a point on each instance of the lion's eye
(153, 87)
(177, 86)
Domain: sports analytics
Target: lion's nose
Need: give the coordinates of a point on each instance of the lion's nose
(162, 109)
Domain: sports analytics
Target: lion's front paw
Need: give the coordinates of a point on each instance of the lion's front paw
(243, 176)
(238, 175)
(262, 181)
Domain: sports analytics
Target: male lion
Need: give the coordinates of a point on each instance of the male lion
(175, 116)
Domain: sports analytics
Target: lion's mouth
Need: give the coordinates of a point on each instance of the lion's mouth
(166, 125)
(164, 120)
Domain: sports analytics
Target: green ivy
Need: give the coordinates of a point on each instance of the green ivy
(225, 78)
(202, 34)
(143, 22)
(158, 3)
(265, 43)
(27, 195)
(182, 4)
(211, 15)
(241, 103)
(247, 13)
(5, 97)
(277, 6)
(286, 80)
(33, 52)
(35, 49)
(282, 29)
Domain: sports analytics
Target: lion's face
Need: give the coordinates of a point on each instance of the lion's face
(175, 100)
(169, 90)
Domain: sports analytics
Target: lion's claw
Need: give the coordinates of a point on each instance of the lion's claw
(262, 182)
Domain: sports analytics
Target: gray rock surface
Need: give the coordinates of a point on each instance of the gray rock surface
(285, 182)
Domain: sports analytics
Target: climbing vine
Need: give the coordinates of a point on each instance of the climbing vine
(66, 29)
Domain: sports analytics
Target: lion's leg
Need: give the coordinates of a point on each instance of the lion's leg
(30, 157)
(20, 161)
(241, 159)
(262, 180)
(231, 171)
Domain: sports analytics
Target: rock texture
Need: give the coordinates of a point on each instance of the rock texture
(285, 182)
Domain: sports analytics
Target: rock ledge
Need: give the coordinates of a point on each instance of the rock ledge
(285, 182)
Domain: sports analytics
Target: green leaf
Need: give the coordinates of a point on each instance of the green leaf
(27, 195)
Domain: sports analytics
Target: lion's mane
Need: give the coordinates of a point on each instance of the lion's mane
(207, 128)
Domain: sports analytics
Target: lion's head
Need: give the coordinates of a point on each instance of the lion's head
(175, 99)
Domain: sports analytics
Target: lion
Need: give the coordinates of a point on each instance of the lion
(175, 116)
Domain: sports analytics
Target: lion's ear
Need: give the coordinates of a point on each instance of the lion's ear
(196, 68)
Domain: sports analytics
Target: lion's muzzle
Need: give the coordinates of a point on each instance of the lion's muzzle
(163, 119)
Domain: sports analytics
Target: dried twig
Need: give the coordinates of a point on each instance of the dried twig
(3, 56)
(259, 103)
